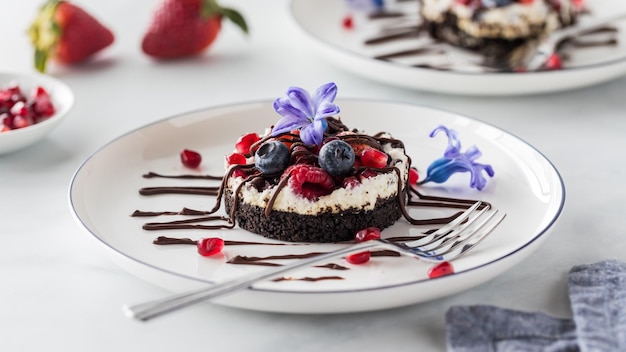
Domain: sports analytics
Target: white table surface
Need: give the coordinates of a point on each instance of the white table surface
(60, 292)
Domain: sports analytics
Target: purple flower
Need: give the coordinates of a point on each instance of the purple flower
(308, 113)
(454, 161)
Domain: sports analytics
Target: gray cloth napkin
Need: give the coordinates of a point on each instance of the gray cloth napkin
(597, 294)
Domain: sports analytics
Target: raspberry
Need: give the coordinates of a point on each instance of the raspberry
(309, 181)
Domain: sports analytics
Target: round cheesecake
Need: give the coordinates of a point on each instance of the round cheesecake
(495, 27)
(305, 203)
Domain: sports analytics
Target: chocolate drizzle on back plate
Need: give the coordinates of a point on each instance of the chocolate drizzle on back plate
(403, 38)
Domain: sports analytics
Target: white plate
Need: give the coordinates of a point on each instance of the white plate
(62, 99)
(320, 21)
(104, 192)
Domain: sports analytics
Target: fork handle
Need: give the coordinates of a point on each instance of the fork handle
(156, 308)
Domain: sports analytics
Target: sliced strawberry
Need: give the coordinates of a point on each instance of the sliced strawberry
(309, 181)
(66, 33)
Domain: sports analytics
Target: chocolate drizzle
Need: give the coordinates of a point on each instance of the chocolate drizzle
(432, 51)
(195, 219)
(336, 129)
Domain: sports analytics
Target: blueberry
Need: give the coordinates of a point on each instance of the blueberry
(272, 157)
(336, 157)
(496, 3)
(500, 3)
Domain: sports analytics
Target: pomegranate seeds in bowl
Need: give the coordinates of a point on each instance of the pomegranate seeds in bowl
(31, 105)
(18, 110)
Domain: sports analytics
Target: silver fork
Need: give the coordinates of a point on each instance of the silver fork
(449, 242)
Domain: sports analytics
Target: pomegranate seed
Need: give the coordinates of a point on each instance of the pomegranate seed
(367, 174)
(41, 103)
(236, 159)
(358, 258)
(22, 121)
(210, 246)
(367, 234)
(441, 269)
(7, 120)
(20, 109)
(244, 142)
(374, 158)
(239, 173)
(350, 182)
(413, 176)
(190, 158)
(554, 62)
(347, 22)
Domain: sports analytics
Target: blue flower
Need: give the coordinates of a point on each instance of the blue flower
(366, 5)
(454, 160)
(308, 113)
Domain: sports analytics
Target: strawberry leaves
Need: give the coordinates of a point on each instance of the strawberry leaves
(212, 8)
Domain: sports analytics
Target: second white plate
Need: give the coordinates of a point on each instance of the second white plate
(320, 22)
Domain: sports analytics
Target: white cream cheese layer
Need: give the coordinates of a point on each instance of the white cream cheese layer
(362, 196)
(510, 22)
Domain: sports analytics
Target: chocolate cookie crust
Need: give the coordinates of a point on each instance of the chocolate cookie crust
(324, 227)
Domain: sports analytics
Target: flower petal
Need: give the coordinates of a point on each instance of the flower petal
(326, 109)
(301, 100)
(284, 107)
(287, 124)
(313, 134)
(454, 144)
(444, 170)
(454, 161)
(325, 93)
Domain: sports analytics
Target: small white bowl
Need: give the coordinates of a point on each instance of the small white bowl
(62, 99)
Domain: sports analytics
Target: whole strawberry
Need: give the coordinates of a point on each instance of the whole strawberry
(182, 28)
(66, 33)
